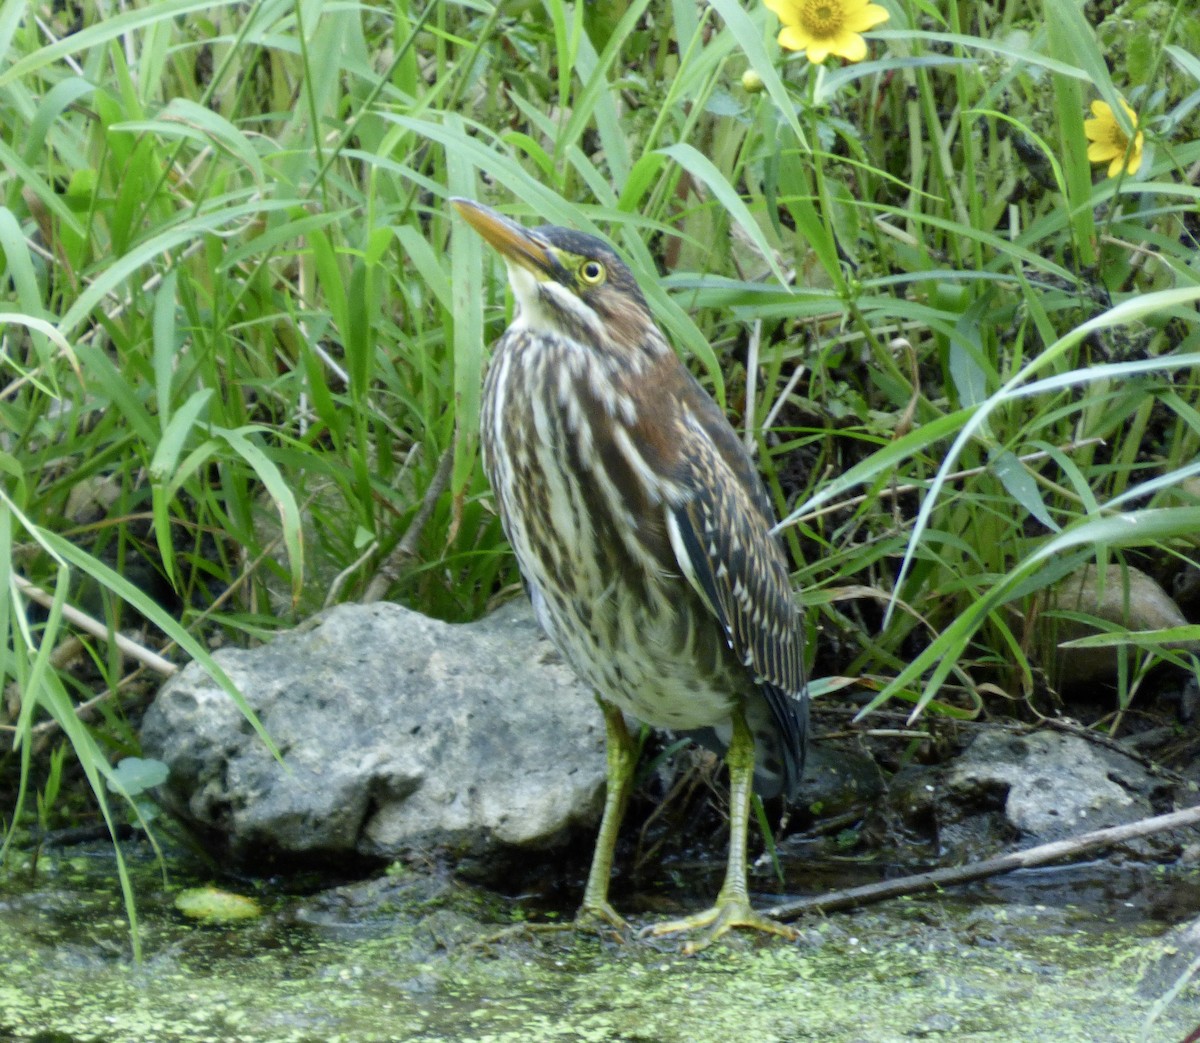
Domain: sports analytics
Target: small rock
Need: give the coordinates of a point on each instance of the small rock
(1127, 597)
(398, 733)
(1050, 785)
(836, 780)
(1054, 784)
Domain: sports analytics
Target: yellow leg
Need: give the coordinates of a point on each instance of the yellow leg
(732, 908)
(622, 759)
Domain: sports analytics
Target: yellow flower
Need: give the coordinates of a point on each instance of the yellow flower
(825, 27)
(1110, 142)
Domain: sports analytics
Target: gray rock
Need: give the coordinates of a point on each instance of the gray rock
(1052, 785)
(836, 780)
(399, 733)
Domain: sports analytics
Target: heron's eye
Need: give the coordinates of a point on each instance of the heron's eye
(592, 273)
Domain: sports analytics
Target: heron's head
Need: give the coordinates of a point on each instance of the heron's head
(567, 282)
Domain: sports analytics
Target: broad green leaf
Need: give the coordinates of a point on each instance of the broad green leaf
(134, 775)
(1021, 486)
(174, 436)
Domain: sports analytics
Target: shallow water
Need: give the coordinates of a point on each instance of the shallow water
(1063, 954)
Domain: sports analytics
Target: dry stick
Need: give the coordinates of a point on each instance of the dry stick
(97, 629)
(41, 732)
(1041, 855)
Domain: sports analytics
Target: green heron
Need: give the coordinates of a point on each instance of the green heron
(643, 533)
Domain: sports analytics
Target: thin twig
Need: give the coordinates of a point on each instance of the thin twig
(40, 733)
(339, 581)
(782, 397)
(406, 549)
(912, 487)
(1030, 858)
(119, 304)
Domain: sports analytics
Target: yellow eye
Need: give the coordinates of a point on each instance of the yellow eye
(592, 273)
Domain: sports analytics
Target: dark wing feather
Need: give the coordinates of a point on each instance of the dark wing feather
(721, 535)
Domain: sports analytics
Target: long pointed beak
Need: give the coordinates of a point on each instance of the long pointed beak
(514, 242)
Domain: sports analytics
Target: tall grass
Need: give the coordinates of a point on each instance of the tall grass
(241, 330)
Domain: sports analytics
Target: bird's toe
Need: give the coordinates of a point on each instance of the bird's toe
(711, 924)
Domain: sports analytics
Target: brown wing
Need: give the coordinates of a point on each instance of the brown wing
(720, 532)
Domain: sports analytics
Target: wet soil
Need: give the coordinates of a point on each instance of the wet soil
(1066, 954)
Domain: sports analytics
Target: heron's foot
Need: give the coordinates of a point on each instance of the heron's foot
(720, 919)
(598, 918)
(601, 918)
